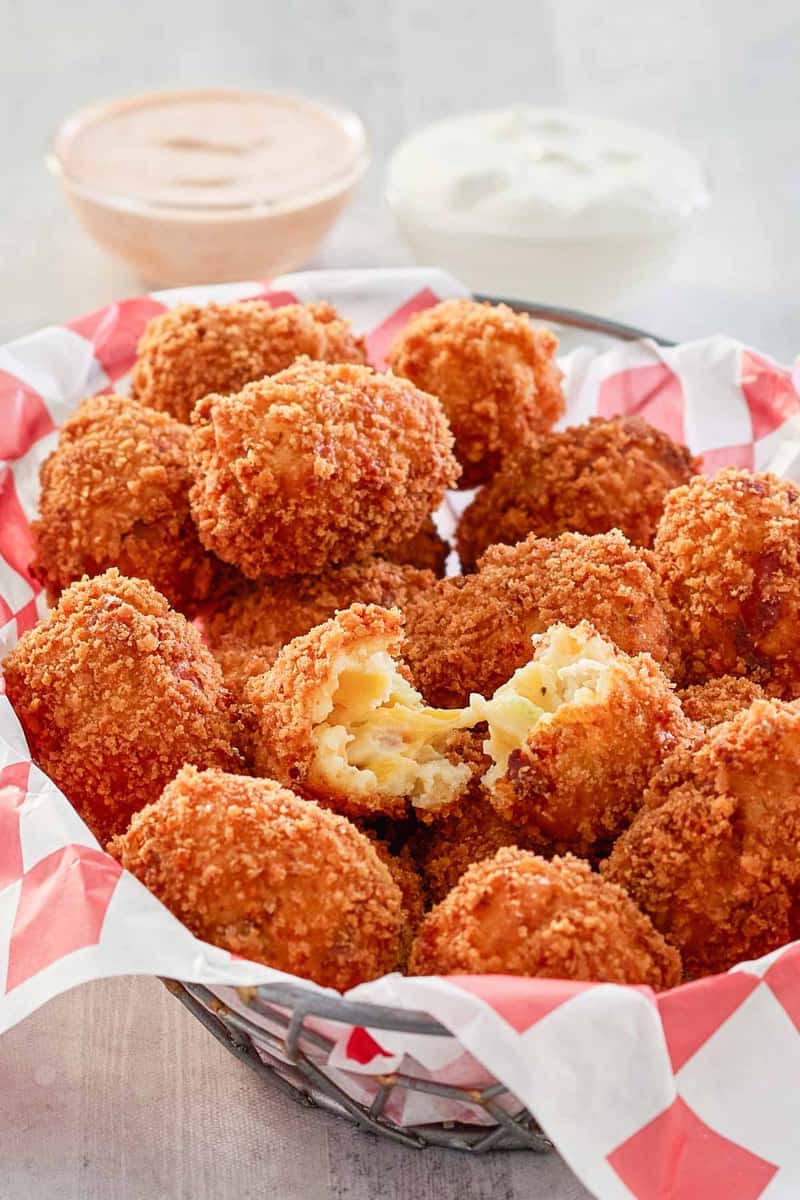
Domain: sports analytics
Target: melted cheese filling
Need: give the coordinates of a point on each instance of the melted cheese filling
(571, 667)
(374, 733)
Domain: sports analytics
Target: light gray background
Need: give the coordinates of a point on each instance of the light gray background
(114, 1091)
(721, 74)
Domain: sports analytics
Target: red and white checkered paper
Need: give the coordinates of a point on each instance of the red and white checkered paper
(690, 1094)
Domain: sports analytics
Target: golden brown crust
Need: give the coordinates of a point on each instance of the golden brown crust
(676, 767)
(718, 700)
(285, 697)
(467, 834)
(250, 867)
(607, 474)
(193, 350)
(115, 493)
(317, 465)
(728, 552)
(494, 373)
(578, 780)
(425, 549)
(405, 874)
(248, 628)
(519, 914)
(713, 858)
(115, 692)
(239, 661)
(470, 634)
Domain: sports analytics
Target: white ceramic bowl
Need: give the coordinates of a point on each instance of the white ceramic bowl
(544, 204)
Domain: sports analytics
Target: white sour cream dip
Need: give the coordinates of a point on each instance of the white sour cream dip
(469, 187)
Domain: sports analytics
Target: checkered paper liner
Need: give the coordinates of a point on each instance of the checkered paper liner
(689, 1094)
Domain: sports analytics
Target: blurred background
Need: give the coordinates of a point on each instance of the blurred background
(723, 76)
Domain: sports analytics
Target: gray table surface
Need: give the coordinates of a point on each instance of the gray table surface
(114, 1091)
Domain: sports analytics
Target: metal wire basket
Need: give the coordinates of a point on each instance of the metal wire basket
(277, 1038)
(289, 1054)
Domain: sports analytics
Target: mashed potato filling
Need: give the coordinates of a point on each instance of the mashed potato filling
(570, 666)
(374, 733)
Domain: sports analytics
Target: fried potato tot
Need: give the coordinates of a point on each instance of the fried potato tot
(248, 628)
(518, 914)
(467, 833)
(115, 493)
(574, 737)
(611, 473)
(494, 373)
(115, 692)
(469, 634)
(728, 553)
(713, 856)
(245, 864)
(718, 700)
(315, 466)
(338, 720)
(193, 349)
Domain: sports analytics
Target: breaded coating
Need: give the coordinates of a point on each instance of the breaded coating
(405, 874)
(728, 553)
(240, 662)
(194, 349)
(315, 466)
(115, 692)
(425, 549)
(248, 866)
(718, 700)
(248, 628)
(575, 736)
(518, 914)
(608, 474)
(714, 859)
(463, 747)
(338, 720)
(494, 373)
(115, 493)
(470, 634)
(676, 767)
(467, 834)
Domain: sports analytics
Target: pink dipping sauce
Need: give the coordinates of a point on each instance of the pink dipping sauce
(209, 186)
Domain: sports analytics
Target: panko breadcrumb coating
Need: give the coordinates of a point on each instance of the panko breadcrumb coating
(425, 549)
(248, 628)
(194, 349)
(466, 834)
(338, 721)
(575, 736)
(608, 474)
(728, 553)
(719, 699)
(405, 874)
(115, 493)
(248, 866)
(315, 466)
(470, 634)
(115, 692)
(715, 860)
(518, 914)
(494, 373)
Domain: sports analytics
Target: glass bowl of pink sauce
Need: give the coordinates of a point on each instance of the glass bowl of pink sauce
(212, 185)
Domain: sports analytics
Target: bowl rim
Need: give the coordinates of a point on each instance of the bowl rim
(669, 225)
(346, 118)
